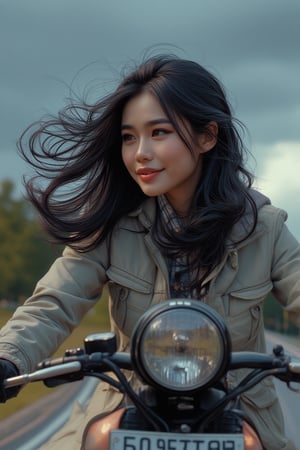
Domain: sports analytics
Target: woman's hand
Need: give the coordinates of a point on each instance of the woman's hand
(7, 370)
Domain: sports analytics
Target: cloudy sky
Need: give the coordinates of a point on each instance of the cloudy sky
(252, 46)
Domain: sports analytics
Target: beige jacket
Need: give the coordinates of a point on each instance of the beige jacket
(137, 277)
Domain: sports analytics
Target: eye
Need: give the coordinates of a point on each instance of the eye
(126, 137)
(160, 132)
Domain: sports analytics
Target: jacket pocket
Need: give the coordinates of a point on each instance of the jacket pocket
(130, 296)
(245, 317)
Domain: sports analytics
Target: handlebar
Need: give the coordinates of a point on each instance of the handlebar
(75, 367)
(80, 366)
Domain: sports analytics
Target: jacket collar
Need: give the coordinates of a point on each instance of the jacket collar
(238, 236)
(147, 210)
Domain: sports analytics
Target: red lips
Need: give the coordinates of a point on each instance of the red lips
(147, 171)
(147, 174)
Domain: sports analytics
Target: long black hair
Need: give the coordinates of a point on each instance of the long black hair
(82, 187)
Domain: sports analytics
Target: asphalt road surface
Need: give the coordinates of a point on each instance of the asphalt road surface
(35, 424)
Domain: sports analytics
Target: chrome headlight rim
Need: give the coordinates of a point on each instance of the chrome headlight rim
(179, 304)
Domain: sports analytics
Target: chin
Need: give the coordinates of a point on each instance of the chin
(152, 192)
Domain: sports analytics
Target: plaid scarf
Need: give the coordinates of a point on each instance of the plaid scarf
(179, 274)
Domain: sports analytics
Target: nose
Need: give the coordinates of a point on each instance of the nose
(144, 151)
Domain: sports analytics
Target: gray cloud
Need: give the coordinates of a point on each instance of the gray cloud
(252, 46)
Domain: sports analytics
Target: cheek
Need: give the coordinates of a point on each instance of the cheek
(181, 158)
(176, 151)
(126, 158)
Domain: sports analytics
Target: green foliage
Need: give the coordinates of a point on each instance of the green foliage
(276, 319)
(24, 252)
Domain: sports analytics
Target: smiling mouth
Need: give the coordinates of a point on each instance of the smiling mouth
(148, 171)
(147, 175)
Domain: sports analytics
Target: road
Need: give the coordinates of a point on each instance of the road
(35, 424)
(28, 428)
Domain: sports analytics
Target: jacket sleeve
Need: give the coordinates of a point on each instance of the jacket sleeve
(60, 300)
(286, 270)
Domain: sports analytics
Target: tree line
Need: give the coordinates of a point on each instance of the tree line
(25, 254)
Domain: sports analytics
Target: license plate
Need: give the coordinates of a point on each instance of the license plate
(146, 440)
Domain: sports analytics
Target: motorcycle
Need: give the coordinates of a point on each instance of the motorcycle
(180, 355)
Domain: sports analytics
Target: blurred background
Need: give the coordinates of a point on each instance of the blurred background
(50, 48)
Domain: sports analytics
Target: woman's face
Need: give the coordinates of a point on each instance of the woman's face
(156, 157)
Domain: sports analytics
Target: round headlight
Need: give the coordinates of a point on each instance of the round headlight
(180, 346)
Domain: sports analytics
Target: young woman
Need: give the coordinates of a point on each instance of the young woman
(148, 191)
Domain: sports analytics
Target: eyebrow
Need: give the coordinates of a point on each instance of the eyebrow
(149, 123)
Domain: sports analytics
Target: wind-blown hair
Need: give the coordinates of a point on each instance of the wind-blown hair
(82, 187)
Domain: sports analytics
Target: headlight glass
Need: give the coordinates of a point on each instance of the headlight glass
(181, 348)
